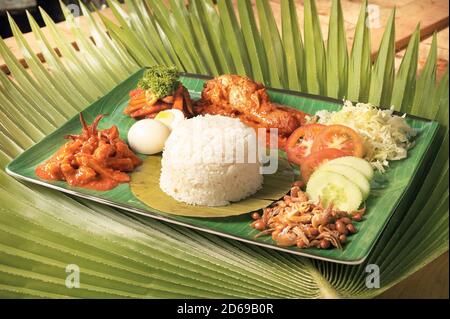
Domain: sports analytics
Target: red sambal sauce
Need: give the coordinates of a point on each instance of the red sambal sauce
(94, 159)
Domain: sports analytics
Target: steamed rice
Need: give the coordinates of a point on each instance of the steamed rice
(203, 162)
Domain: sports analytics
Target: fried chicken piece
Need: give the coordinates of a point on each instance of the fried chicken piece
(237, 96)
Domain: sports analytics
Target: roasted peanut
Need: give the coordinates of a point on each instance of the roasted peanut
(256, 216)
(351, 228)
(341, 228)
(324, 244)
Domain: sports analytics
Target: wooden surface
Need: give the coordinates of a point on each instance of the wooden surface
(432, 15)
(424, 49)
(432, 281)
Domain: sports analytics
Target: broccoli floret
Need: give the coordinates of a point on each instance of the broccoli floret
(160, 80)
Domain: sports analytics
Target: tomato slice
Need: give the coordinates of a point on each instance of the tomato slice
(310, 163)
(300, 142)
(339, 137)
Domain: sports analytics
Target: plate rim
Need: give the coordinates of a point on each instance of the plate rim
(177, 222)
(158, 216)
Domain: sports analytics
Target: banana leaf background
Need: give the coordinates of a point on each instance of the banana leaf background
(122, 255)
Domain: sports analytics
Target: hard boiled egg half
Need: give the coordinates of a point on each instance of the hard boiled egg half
(148, 136)
(170, 118)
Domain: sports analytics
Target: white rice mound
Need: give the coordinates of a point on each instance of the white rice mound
(202, 162)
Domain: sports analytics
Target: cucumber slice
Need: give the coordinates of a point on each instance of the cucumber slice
(350, 173)
(357, 163)
(334, 188)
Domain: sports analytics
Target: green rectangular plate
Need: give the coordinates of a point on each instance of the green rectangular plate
(402, 177)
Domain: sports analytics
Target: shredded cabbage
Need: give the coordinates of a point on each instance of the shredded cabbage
(386, 136)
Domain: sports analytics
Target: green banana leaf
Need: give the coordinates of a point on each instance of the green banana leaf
(121, 255)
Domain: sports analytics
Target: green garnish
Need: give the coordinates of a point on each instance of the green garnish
(160, 80)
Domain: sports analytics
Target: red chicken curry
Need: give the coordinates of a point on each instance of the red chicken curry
(238, 96)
